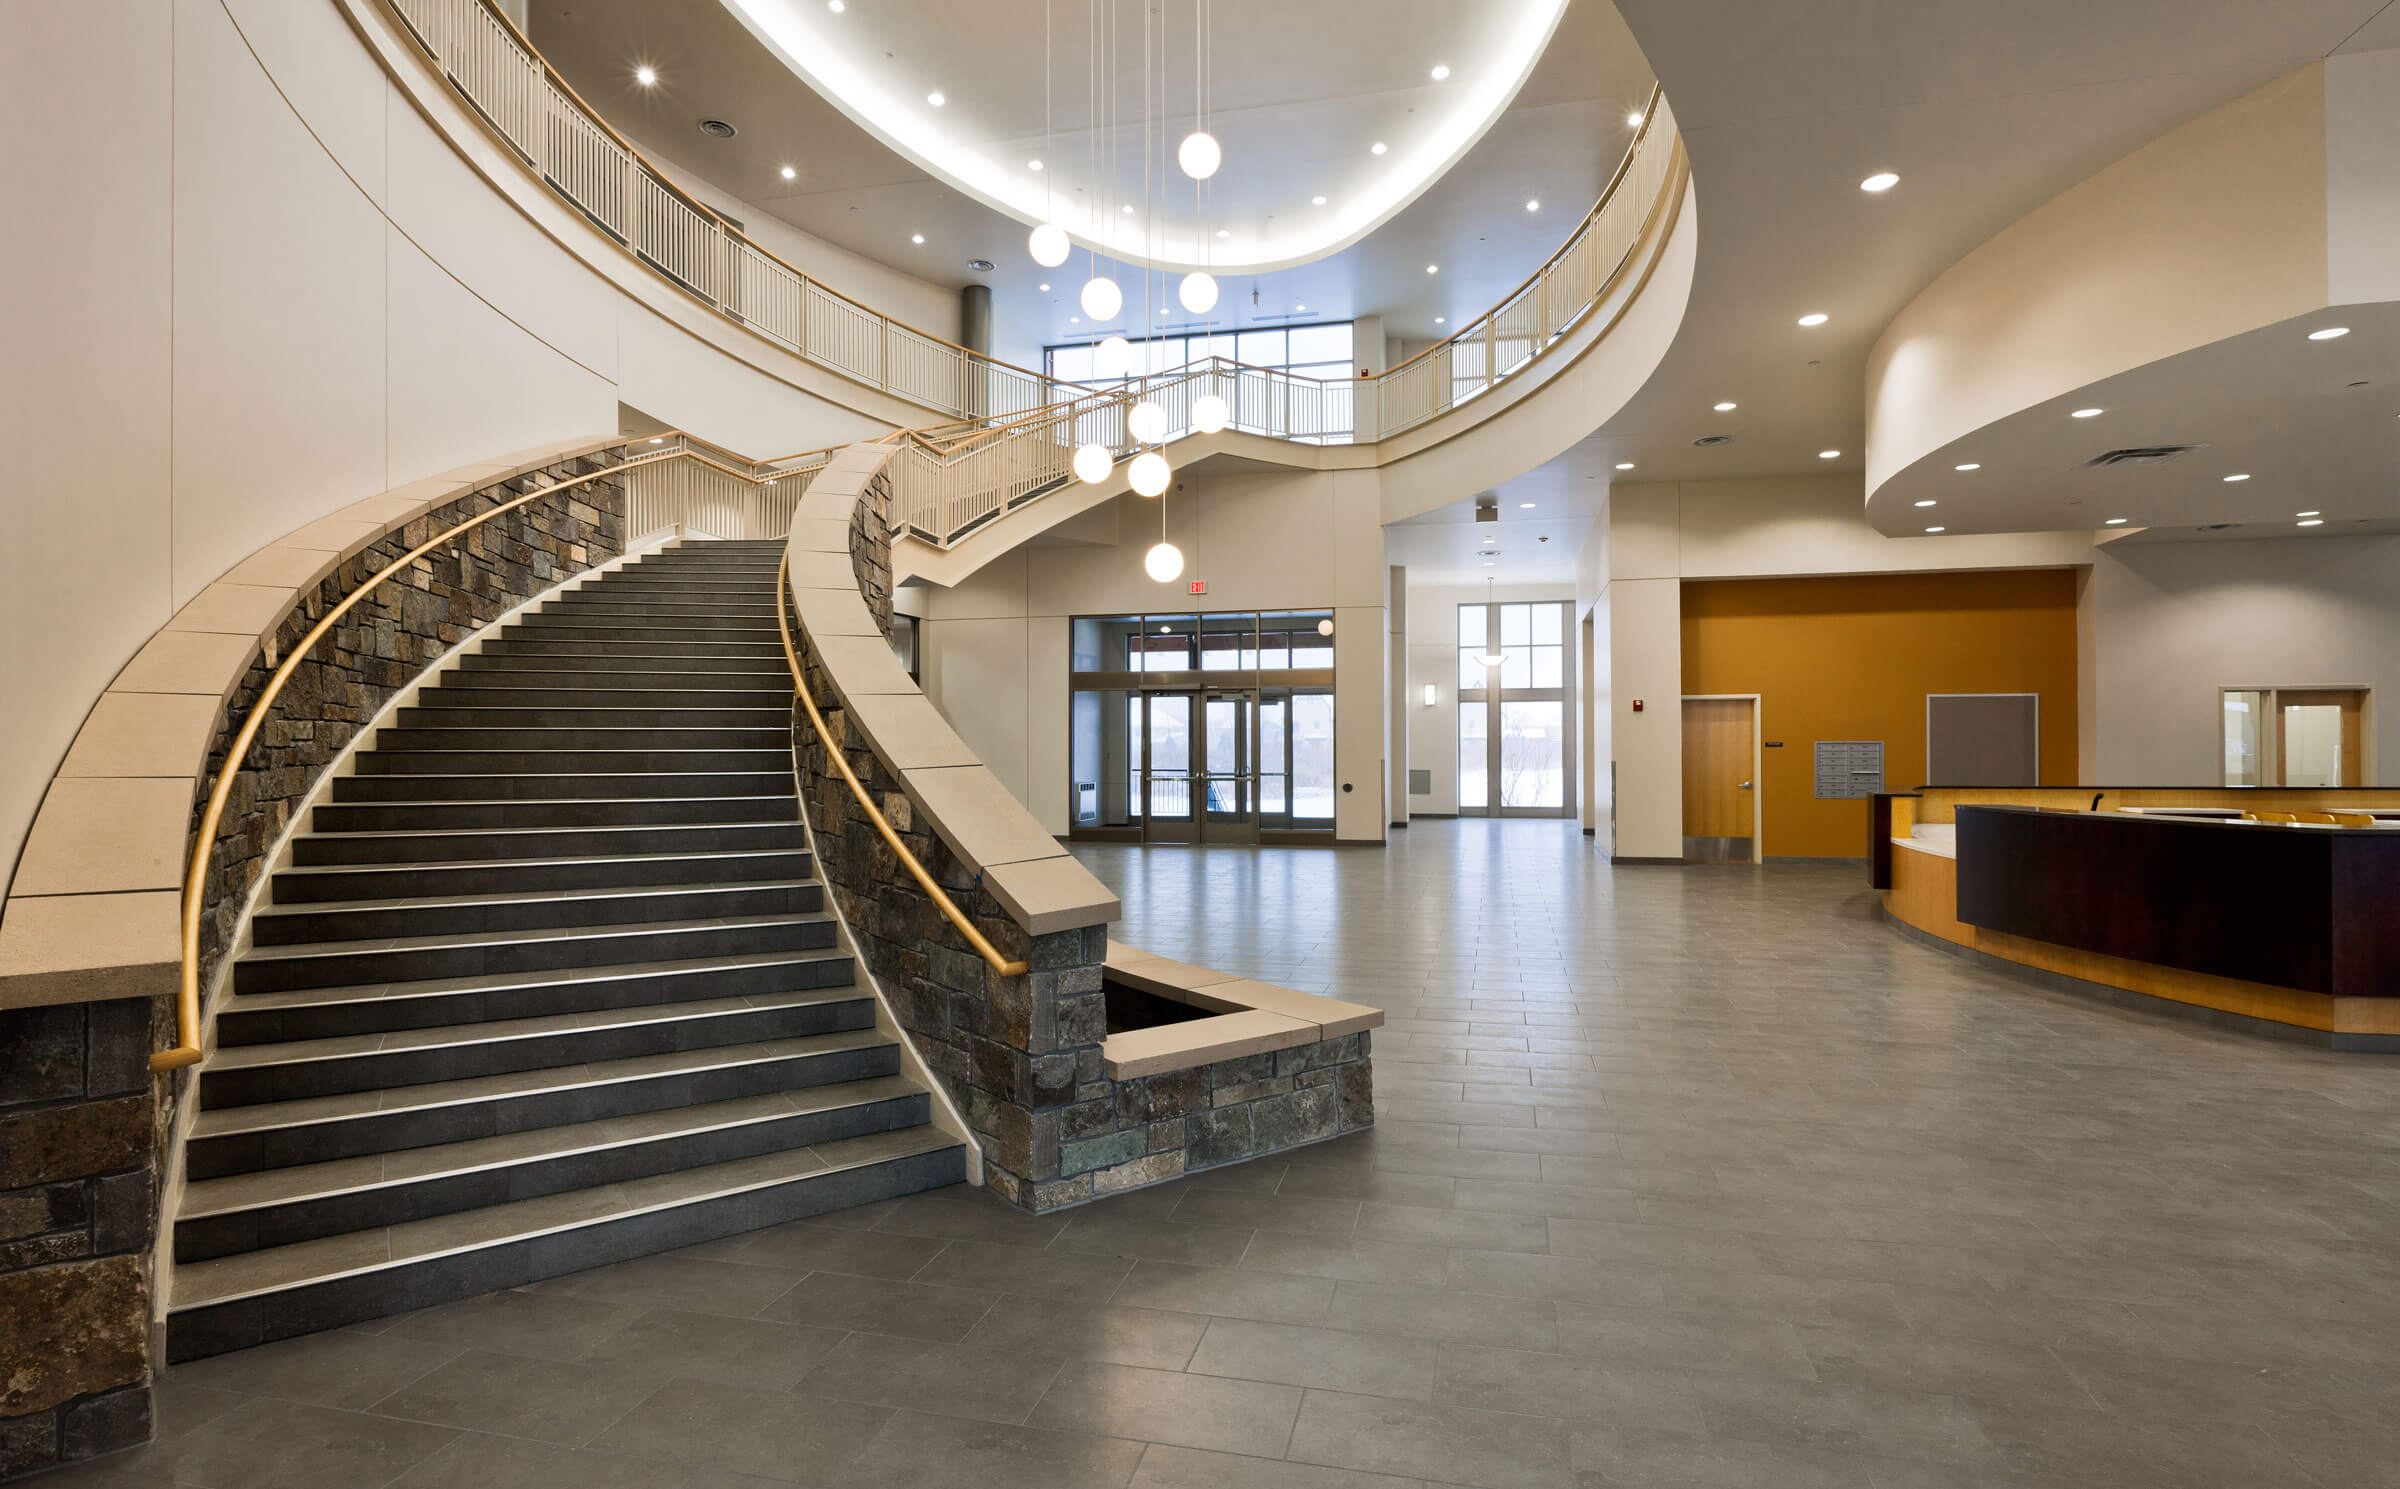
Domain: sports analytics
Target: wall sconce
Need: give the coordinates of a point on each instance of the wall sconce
(1431, 695)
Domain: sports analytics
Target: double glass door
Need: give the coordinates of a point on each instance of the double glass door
(1216, 765)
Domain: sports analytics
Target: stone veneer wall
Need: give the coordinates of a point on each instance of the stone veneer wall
(85, 1130)
(1023, 1057)
(78, 1203)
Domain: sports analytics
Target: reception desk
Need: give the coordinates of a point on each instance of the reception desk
(2287, 929)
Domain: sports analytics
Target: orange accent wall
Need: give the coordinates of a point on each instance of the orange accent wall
(1853, 658)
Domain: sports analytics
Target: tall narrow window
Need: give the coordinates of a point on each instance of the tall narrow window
(1513, 741)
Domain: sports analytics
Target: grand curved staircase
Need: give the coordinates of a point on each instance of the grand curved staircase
(549, 982)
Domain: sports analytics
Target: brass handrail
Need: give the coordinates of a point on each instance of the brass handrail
(908, 860)
(187, 994)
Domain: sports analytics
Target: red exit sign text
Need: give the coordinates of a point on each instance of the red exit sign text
(1199, 586)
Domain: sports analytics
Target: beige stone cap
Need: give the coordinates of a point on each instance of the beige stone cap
(83, 920)
(1041, 886)
(1252, 1017)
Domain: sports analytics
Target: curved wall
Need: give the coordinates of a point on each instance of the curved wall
(266, 286)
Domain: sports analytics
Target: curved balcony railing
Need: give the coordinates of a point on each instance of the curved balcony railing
(491, 64)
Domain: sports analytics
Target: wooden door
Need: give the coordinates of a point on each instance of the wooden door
(2323, 757)
(1719, 793)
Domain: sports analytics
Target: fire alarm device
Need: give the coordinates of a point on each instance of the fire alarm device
(1637, 705)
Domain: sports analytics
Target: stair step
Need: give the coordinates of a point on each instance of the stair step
(562, 786)
(510, 644)
(256, 1074)
(277, 1207)
(523, 908)
(565, 625)
(702, 601)
(281, 1134)
(324, 1012)
(413, 816)
(469, 843)
(568, 762)
(620, 737)
(468, 683)
(414, 959)
(341, 883)
(236, 1301)
(451, 713)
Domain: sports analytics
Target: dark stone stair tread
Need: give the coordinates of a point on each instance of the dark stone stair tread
(492, 982)
(304, 1111)
(307, 950)
(435, 866)
(450, 1036)
(226, 1279)
(205, 1198)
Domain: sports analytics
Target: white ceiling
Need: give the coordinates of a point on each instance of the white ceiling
(1301, 98)
(1555, 143)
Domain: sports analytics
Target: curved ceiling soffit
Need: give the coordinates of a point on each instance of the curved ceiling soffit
(806, 37)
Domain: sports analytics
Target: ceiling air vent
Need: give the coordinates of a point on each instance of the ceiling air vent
(2138, 455)
(1711, 441)
(718, 129)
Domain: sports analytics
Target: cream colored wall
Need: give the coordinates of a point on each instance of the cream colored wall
(2175, 622)
(995, 646)
(259, 286)
(2362, 177)
(2213, 229)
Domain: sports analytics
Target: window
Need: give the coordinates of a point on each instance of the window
(1323, 352)
(1512, 718)
(2293, 736)
(904, 644)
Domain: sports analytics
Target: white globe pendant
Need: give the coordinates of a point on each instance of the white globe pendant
(1092, 464)
(1146, 422)
(1198, 292)
(1113, 357)
(1163, 562)
(1049, 246)
(1102, 299)
(1199, 155)
(1209, 413)
(1149, 474)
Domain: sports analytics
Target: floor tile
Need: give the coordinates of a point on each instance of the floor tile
(518, 1396)
(1450, 1444)
(1333, 1359)
(949, 1380)
(1192, 1411)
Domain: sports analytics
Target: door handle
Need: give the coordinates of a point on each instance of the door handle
(1745, 785)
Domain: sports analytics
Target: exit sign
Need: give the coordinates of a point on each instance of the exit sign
(1199, 586)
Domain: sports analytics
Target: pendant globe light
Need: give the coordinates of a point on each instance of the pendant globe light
(1210, 413)
(1113, 357)
(1102, 299)
(1149, 473)
(1147, 423)
(1093, 463)
(1198, 292)
(1199, 154)
(1048, 243)
(1164, 561)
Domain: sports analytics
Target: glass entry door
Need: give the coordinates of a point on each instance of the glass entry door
(1229, 768)
(1200, 766)
(1170, 764)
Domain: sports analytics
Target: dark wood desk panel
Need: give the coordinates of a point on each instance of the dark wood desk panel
(2317, 910)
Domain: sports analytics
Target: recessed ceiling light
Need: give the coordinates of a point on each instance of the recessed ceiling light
(2328, 333)
(789, 173)
(2086, 413)
(979, 266)
(2239, 476)
(1299, 307)
(1441, 320)
(1316, 201)
(1127, 209)
(1970, 465)
(1829, 454)
(2311, 522)
(1433, 268)
(1524, 506)
(1074, 320)
(1162, 312)
(1045, 289)
(1880, 181)
(1224, 232)
(1633, 120)
(916, 237)
(1726, 408)
(1928, 504)
(2116, 522)
(1378, 148)
(1441, 70)
(936, 99)
(1937, 529)
(1533, 204)
(2304, 514)
(645, 75)
(662, 439)
(836, 6)
(1813, 318)
(1624, 465)
(1033, 165)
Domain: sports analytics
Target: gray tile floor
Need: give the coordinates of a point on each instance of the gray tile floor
(1683, 1177)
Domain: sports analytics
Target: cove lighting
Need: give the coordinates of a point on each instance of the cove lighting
(1880, 181)
(2086, 413)
(1829, 454)
(1813, 318)
(2239, 476)
(2329, 333)
(646, 76)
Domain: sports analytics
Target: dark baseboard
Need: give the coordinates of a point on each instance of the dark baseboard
(1627, 861)
(2149, 1003)
(1834, 863)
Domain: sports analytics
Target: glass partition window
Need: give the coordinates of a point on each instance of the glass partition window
(2293, 736)
(1104, 757)
(2244, 711)
(1513, 747)
(1295, 639)
(1321, 351)
(1234, 641)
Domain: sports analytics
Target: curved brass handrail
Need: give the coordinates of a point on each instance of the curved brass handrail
(883, 826)
(187, 994)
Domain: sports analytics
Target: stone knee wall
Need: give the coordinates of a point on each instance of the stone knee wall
(77, 1208)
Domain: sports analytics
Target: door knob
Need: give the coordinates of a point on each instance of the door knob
(1745, 785)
